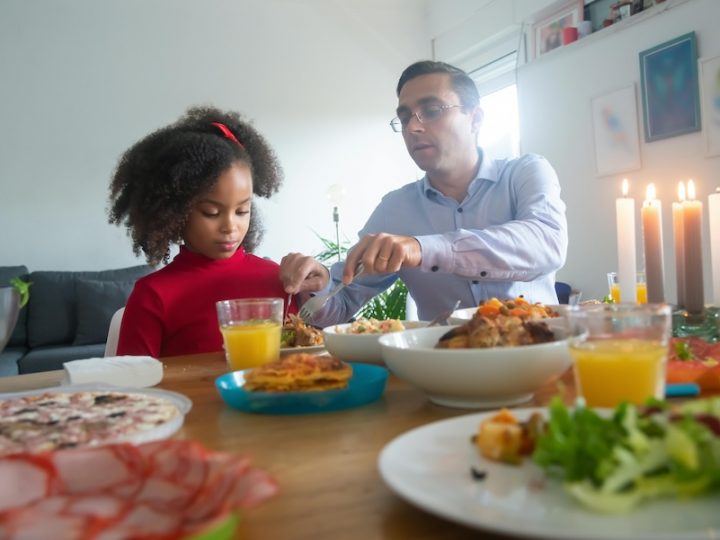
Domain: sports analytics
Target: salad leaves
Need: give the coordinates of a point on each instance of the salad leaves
(611, 463)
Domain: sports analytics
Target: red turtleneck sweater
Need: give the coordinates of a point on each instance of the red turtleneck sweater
(172, 311)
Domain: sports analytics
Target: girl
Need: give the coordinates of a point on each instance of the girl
(192, 183)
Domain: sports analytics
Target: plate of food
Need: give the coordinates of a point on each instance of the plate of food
(478, 470)
(300, 384)
(300, 337)
(162, 489)
(694, 360)
(87, 415)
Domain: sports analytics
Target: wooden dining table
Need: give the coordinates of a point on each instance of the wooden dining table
(325, 463)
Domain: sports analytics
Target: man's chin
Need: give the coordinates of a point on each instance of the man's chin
(424, 164)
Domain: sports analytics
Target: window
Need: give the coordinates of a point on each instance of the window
(500, 131)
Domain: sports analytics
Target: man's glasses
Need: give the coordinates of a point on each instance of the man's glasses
(428, 113)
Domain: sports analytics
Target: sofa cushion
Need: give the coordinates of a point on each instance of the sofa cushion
(52, 317)
(19, 335)
(53, 357)
(97, 301)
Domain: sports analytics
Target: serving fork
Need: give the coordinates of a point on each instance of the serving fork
(316, 303)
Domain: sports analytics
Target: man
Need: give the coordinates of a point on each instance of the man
(474, 227)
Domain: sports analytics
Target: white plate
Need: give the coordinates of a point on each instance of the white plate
(430, 467)
(308, 349)
(163, 431)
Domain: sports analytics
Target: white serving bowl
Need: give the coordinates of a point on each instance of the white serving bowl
(473, 378)
(461, 316)
(358, 347)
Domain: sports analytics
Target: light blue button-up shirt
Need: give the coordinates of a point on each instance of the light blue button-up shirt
(507, 238)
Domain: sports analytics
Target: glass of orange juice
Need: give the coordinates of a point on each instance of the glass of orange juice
(251, 330)
(614, 286)
(620, 351)
(641, 288)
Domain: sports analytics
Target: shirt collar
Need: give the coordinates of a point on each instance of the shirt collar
(488, 170)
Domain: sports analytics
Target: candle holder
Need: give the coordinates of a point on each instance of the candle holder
(705, 325)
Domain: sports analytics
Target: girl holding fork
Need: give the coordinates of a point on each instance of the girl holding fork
(192, 183)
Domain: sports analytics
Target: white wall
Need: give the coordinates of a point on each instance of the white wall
(82, 80)
(555, 120)
(555, 93)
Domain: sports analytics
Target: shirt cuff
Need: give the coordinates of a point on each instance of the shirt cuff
(437, 253)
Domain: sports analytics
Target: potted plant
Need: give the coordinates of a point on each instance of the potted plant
(12, 300)
(389, 304)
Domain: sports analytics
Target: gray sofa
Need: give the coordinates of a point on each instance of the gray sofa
(67, 317)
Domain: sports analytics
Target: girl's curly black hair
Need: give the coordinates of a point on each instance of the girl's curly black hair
(158, 179)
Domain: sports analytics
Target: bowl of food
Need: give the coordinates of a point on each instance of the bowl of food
(518, 307)
(470, 368)
(358, 341)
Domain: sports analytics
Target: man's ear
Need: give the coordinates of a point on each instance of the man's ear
(477, 119)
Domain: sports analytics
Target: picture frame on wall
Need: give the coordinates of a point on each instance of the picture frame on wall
(670, 93)
(548, 32)
(615, 131)
(710, 98)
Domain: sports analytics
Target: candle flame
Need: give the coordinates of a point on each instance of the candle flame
(691, 190)
(681, 191)
(650, 192)
(625, 187)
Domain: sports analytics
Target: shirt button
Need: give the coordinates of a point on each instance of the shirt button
(483, 273)
(460, 210)
(475, 282)
(435, 268)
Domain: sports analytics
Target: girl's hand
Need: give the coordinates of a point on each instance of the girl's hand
(301, 273)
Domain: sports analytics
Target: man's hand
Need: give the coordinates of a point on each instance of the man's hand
(383, 253)
(301, 273)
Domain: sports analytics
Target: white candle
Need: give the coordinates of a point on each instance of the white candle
(679, 237)
(714, 214)
(692, 228)
(627, 268)
(651, 214)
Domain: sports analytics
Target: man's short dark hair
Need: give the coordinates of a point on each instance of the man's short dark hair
(461, 82)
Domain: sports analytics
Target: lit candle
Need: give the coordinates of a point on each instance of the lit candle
(679, 238)
(714, 213)
(692, 229)
(625, 215)
(651, 215)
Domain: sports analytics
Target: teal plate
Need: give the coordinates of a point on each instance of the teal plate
(365, 386)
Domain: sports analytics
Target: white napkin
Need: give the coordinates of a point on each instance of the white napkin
(129, 371)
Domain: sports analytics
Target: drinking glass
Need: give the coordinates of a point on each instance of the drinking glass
(620, 351)
(641, 288)
(614, 286)
(251, 330)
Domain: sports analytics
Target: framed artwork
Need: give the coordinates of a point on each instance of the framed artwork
(710, 92)
(547, 33)
(615, 130)
(670, 96)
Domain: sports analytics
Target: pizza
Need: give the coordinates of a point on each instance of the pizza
(299, 373)
(55, 420)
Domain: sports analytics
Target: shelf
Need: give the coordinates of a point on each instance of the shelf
(607, 31)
